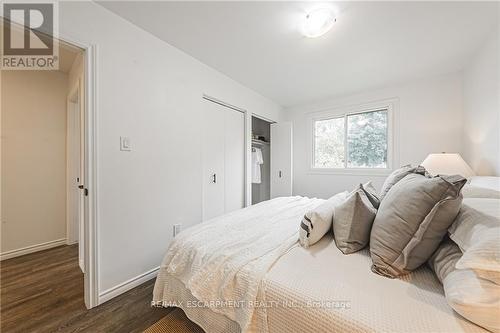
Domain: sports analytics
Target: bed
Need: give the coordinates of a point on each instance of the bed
(209, 269)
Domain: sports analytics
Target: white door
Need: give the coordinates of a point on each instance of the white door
(75, 173)
(223, 160)
(73, 178)
(281, 159)
(213, 160)
(234, 160)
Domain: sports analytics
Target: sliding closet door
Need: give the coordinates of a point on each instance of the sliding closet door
(281, 159)
(234, 160)
(223, 160)
(213, 160)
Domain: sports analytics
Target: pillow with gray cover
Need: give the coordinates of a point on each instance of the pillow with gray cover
(469, 294)
(371, 193)
(397, 175)
(353, 219)
(412, 220)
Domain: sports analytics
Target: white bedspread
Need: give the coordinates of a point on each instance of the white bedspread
(225, 259)
(414, 303)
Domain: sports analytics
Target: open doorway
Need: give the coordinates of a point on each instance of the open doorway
(261, 160)
(42, 164)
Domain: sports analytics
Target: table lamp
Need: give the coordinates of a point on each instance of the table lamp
(447, 164)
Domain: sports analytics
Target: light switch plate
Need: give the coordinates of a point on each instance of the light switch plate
(125, 143)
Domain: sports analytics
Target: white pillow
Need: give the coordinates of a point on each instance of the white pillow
(492, 183)
(468, 293)
(470, 191)
(475, 219)
(317, 222)
(483, 253)
(474, 298)
(476, 231)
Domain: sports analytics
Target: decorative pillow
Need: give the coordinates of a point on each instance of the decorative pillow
(397, 175)
(412, 220)
(475, 220)
(488, 275)
(318, 221)
(371, 193)
(444, 259)
(473, 297)
(352, 221)
(484, 254)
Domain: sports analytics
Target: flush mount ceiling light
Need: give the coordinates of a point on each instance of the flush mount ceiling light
(318, 22)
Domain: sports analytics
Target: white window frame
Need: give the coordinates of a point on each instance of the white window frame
(391, 105)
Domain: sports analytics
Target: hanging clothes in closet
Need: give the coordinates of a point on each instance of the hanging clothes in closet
(257, 161)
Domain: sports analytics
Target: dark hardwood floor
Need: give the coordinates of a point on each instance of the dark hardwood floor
(43, 292)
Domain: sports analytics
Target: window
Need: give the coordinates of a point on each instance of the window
(352, 141)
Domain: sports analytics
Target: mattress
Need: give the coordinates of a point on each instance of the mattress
(321, 290)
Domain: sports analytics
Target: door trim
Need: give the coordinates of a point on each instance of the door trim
(90, 123)
(227, 105)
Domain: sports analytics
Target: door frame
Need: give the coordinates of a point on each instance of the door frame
(90, 172)
(249, 152)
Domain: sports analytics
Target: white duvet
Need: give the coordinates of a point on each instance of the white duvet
(222, 262)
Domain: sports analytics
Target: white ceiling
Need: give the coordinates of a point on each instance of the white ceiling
(372, 44)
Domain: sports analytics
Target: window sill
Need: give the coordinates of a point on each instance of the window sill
(350, 172)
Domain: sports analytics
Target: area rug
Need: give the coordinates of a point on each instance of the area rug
(175, 322)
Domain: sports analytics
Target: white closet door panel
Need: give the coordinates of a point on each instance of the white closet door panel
(281, 159)
(234, 160)
(213, 160)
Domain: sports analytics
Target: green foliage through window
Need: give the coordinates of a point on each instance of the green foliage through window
(364, 141)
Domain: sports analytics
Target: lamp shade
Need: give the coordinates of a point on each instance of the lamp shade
(447, 164)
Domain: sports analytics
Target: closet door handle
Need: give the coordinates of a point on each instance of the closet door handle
(280, 174)
(214, 178)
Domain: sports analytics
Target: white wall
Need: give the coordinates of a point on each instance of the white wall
(482, 109)
(151, 92)
(33, 158)
(429, 121)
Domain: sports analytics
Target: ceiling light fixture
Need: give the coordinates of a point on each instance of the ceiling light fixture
(318, 22)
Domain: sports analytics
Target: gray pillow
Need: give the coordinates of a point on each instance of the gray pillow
(412, 220)
(371, 193)
(397, 175)
(352, 221)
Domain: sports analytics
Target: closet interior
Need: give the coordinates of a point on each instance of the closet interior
(261, 160)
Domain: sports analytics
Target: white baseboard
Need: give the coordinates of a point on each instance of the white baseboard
(82, 265)
(71, 242)
(32, 248)
(119, 289)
